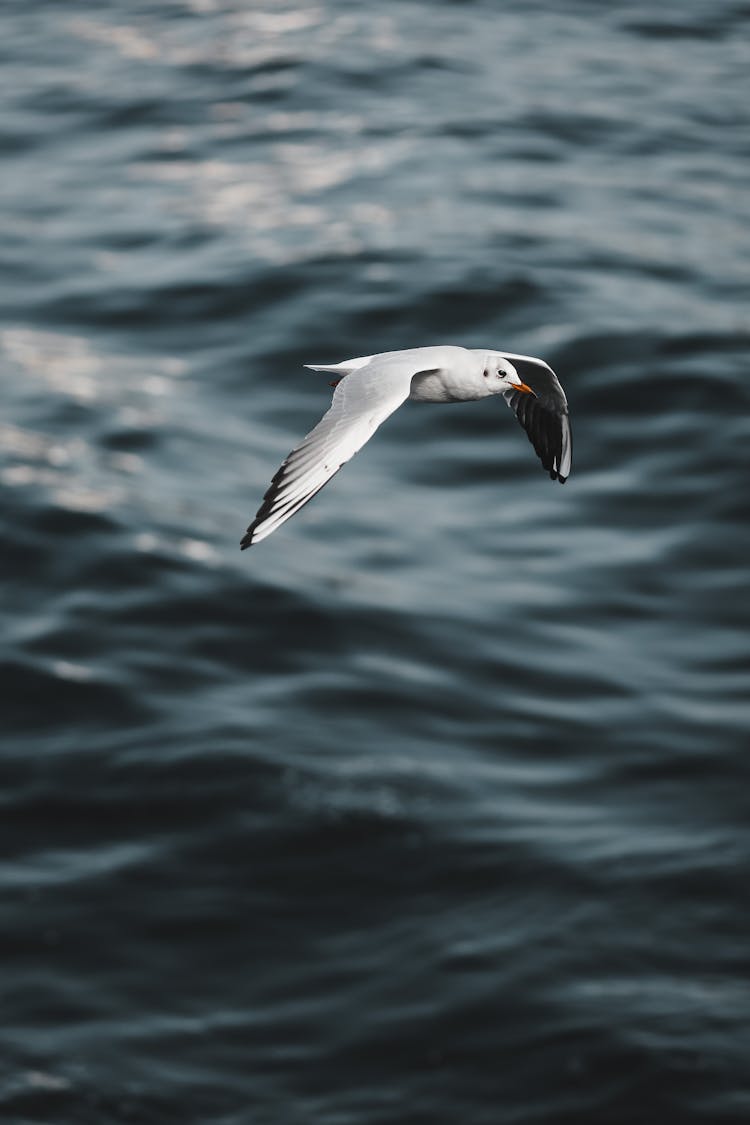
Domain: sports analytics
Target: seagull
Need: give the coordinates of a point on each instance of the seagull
(370, 388)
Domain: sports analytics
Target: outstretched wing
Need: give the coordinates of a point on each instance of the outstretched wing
(543, 414)
(361, 401)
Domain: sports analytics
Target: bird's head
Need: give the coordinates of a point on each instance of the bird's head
(500, 374)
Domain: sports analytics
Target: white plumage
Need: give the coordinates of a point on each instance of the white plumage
(370, 388)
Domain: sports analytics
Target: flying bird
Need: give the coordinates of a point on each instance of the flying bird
(370, 388)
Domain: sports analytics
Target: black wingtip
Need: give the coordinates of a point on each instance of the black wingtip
(246, 540)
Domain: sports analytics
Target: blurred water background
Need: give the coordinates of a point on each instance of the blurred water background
(433, 808)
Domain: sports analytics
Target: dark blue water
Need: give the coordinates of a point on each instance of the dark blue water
(433, 808)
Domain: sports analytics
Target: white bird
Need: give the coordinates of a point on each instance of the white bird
(371, 387)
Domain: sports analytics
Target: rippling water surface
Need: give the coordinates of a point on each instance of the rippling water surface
(434, 806)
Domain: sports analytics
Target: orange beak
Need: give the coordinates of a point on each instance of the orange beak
(522, 387)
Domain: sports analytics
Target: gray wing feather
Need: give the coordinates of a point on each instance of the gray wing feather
(543, 415)
(360, 403)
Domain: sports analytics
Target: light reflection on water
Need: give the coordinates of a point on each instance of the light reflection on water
(452, 768)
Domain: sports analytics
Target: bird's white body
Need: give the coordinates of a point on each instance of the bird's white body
(369, 388)
(446, 373)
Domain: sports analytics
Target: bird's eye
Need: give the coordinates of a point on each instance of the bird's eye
(486, 374)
